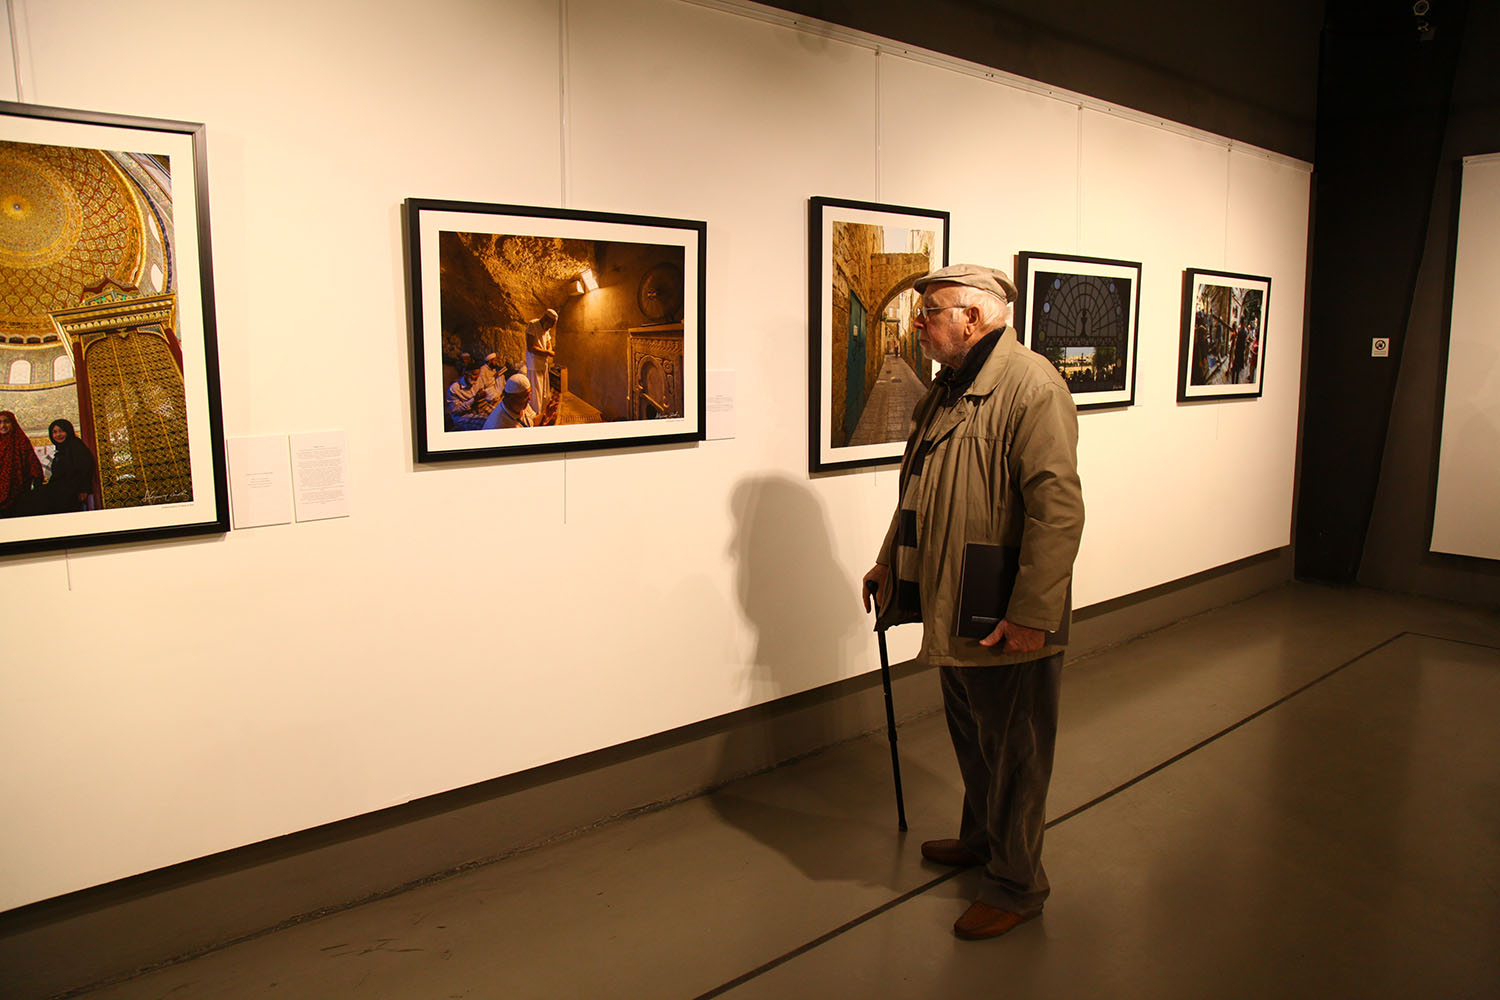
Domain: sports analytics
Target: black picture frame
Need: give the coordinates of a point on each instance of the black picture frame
(115, 331)
(628, 367)
(1083, 314)
(1222, 346)
(867, 427)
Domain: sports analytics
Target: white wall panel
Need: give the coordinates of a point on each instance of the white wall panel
(228, 690)
(742, 122)
(1006, 166)
(8, 74)
(1464, 518)
(1172, 488)
(168, 701)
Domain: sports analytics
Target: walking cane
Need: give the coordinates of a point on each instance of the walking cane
(890, 709)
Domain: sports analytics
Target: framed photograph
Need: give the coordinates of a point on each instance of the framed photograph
(1081, 313)
(110, 426)
(866, 368)
(545, 330)
(1223, 349)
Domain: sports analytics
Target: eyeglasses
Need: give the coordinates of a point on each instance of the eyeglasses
(926, 312)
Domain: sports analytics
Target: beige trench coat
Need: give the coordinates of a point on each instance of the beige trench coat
(1003, 469)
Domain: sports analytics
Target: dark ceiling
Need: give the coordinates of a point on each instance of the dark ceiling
(1245, 70)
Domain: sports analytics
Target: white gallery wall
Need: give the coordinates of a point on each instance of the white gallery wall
(165, 701)
(1464, 518)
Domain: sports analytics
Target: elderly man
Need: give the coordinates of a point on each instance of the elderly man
(515, 407)
(989, 479)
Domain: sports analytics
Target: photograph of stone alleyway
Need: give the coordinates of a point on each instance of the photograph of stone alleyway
(887, 412)
(873, 370)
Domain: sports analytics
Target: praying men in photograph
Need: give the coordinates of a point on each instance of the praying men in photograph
(490, 376)
(465, 403)
(515, 408)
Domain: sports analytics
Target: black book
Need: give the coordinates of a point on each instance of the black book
(987, 577)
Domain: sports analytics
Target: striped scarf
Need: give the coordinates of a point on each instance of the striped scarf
(907, 560)
(949, 387)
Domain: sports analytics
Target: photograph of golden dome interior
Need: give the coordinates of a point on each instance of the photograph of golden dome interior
(93, 411)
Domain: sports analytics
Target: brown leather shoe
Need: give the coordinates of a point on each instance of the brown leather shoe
(950, 852)
(982, 920)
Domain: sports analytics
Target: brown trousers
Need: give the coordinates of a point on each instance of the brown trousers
(1003, 721)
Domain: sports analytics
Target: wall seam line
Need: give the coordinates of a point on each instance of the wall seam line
(1078, 188)
(879, 128)
(13, 21)
(564, 97)
(1228, 200)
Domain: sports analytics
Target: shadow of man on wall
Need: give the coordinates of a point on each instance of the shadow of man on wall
(831, 815)
(791, 590)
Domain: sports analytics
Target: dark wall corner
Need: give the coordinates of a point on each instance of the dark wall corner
(1396, 555)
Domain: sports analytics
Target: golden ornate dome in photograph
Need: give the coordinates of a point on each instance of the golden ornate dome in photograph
(68, 221)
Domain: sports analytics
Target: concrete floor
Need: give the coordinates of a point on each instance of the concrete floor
(1294, 796)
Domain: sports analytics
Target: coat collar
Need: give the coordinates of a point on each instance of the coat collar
(989, 376)
(951, 415)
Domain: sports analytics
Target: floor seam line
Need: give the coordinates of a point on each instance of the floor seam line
(1222, 733)
(827, 936)
(1462, 642)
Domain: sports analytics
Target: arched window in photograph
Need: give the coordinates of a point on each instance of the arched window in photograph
(20, 372)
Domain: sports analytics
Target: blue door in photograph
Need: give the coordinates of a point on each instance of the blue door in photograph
(854, 370)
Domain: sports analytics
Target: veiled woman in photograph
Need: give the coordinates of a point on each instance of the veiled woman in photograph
(72, 471)
(20, 469)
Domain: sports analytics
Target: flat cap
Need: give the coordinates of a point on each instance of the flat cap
(986, 279)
